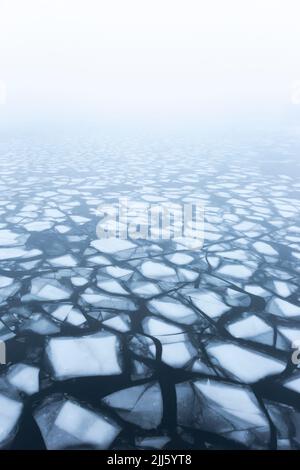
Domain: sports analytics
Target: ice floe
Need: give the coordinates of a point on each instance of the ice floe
(97, 354)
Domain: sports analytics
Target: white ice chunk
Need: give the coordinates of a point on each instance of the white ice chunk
(187, 275)
(284, 289)
(145, 289)
(47, 289)
(62, 228)
(66, 312)
(79, 281)
(40, 325)
(9, 238)
(172, 310)
(238, 271)
(10, 412)
(5, 281)
(180, 258)
(265, 249)
(65, 261)
(177, 351)
(239, 255)
(155, 270)
(112, 286)
(283, 308)
(291, 334)
(38, 226)
(236, 400)
(293, 383)
(257, 290)
(11, 253)
(118, 323)
(108, 301)
(98, 259)
(117, 272)
(246, 365)
(24, 377)
(112, 245)
(67, 424)
(245, 226)
(141, 405)
(157, 327)
(92, 355)
(208, 302)
(78, 219)
(86, 426)
(54, 213)
(249, 327)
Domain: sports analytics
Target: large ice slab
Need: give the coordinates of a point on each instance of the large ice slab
(66, 424)
(141, 405)
(112, 245)
(283, 308)
(172, 310)
(246, 365)
(97, 354)
(208, 302)
(24, 377)
(221, 408)
(156, 270)
(47, 289)
(10, 412)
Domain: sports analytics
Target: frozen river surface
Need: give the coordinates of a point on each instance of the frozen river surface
(149, 344)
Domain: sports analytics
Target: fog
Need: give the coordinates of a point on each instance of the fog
(139, 61)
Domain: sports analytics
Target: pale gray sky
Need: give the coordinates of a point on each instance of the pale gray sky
(147, 59)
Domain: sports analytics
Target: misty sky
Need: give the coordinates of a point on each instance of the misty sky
(138, 60)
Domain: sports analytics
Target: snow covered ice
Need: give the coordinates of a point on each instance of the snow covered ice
(88, 355)
(139, 343)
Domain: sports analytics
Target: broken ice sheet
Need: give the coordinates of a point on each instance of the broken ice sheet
(66, 424)
(140, 405)
(166, 304)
